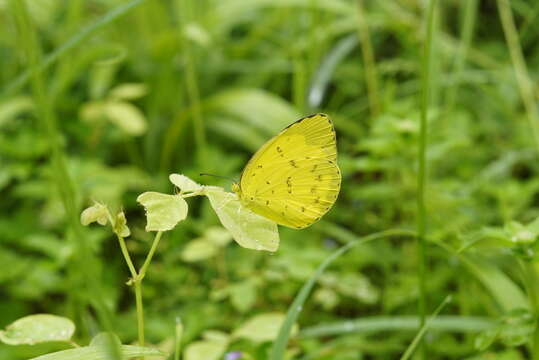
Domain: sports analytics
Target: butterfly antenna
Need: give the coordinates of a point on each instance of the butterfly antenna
(219, 176)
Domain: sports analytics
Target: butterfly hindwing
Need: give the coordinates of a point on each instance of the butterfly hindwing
(293, 179)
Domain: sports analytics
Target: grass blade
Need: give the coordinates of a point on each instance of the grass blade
(411, 348)
(75, 40)
(279, 346)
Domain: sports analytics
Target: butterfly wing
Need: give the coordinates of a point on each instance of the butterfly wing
(294, 179)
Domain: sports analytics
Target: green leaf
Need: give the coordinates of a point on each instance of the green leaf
(218, 236)
(197, 34)
(10, 108)
(502, 288)
(38, 328)
(163, 211)
(199, 249)
(262, 328)
(273, 113)
(96, 213)
(243, 295)
(104, 339)
(520, 234)
(126, 116)
(128, 91)
(184, 183)
(99, 353)
(486, 338)
(92, 111)
(209, 349)
(250, 230)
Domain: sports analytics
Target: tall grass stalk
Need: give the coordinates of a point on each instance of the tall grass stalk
(519, 64)
(413, 345)
(468, 23)
(422, 169)
(528, 98)
(45, 113)
(191, 80)
(70, 44)
(369, 62)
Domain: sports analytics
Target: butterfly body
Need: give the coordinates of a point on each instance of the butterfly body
(293, 179)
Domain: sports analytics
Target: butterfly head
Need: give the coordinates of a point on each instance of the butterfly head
(236, 188)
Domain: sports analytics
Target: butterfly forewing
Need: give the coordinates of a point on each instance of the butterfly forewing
(293, 179)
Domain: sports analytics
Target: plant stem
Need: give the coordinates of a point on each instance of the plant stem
(191, 80)
(127, 257)
(521, 71)
(156, 239)
(140, 311)
(137, 282)
(413, 345)
(368, 60)
(136, 279)
(468, 22)
(422, 171)
(531, 282)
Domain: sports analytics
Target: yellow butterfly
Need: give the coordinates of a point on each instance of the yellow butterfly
(293, 179)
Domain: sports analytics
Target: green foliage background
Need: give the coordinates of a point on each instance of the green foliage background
(197, 86)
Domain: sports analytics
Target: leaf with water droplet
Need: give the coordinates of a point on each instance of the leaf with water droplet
(38, 328)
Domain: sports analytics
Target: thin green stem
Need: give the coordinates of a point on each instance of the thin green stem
(178, 338)
(468, 23)
(531, 283)
(127, 257)
(413, 345)
(137, 282)
(368, 60)
(519, 64)
(422, 169)
(191, 81)
(140, 311)
(144, 268)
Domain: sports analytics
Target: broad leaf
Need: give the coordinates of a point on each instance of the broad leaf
(261, 328)
(99, 353)
(250, 230)
(163, 211)
(38, 328)
(126, 116)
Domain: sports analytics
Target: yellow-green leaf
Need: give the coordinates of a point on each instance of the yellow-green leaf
(128, 91)
(184, 183)
(126, 116)
(199, 249)
(250, 230)
(38, 328)
(163, 211)
(95, 213)
(261, 328)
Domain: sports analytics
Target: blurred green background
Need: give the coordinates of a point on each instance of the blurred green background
(185, 86)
